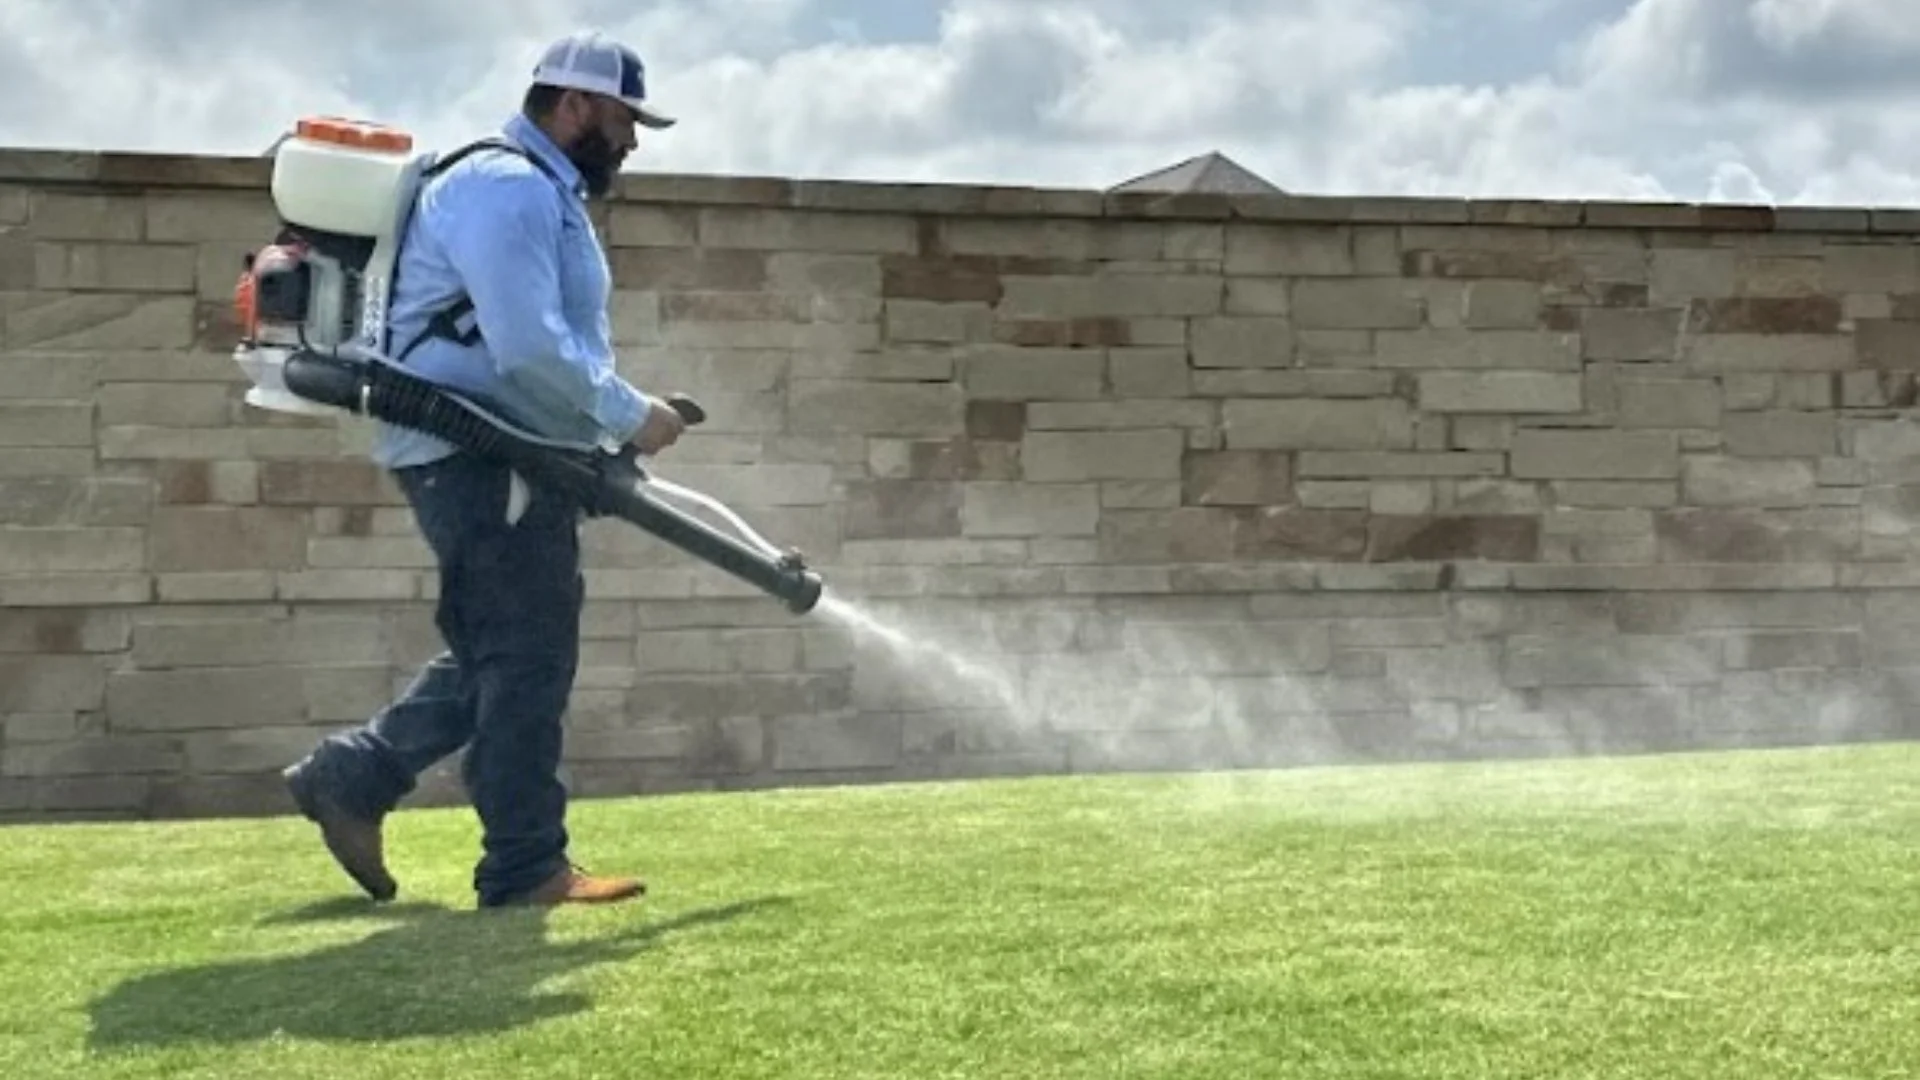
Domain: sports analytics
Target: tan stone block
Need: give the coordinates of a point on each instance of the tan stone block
(1431, 465)
(1633, 335)
(836, 741)
(1719, 481)
(1103, 331)
(170, 405)
(769, 229)
(51, 684)
(1290, 250)
(1257, 296)
(932, 322)
(1023, 510)
(1317, 425)
(823, 273)
(1782, 434)
(45, 423)
(1139, 494)
(834, 406)
(185, 538)
(116, 267)
(1595, 455)
(1401, 497)
(1652, 402)
(57, 550)
(1079, 456)
(1118, 295)
(57, 215)
(1356, 303)
(1334, 494)
(1500, 392)
(300, 586)
(1011, 373)
(1242, 342)
(1682, 275)
(1149, 372)
(1485, 495)
(1474, 350)
(1252, 383)
(70, 500)
(1748, 353)
(1467, 432)
(898, 363)
(1501, 305)
(214, 586)
(1616, 494)
(1102, 415)
(40, 589)
(97, 322)
(1537, 662)
(1870, 268)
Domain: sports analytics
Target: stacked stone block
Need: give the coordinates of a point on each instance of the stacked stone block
(1152, 483)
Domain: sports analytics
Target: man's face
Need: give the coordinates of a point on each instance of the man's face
(601, 142)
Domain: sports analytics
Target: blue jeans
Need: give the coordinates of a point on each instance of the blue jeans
(509, 613)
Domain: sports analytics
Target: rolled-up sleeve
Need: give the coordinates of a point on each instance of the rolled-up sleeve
(504, 240)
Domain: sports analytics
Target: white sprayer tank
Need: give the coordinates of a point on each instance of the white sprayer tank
(341, 176)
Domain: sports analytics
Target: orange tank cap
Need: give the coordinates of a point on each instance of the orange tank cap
(361, 134)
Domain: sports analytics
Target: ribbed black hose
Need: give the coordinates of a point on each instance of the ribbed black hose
(605, 484)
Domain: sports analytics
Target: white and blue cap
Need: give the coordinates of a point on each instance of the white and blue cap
(592, 62)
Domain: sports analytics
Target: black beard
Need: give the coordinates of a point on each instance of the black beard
(593, 155)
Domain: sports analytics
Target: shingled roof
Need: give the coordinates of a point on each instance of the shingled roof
(1211, 173)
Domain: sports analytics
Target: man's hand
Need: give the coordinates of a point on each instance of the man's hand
(661, 429)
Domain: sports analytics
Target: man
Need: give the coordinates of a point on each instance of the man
(505, 230)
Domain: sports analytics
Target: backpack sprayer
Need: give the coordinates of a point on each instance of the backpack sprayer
(313, 314)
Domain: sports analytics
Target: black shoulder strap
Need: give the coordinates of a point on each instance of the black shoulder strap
(445, 322)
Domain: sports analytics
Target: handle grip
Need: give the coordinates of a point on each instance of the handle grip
(689, 409)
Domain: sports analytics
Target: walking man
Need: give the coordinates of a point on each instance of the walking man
(501, 292)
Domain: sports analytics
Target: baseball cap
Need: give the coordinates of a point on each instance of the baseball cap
(595, 63)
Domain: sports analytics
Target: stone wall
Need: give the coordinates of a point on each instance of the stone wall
(1156, 483)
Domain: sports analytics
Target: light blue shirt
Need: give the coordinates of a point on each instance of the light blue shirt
(494, 227)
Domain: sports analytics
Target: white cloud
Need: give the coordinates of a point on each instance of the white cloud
(1767, 100)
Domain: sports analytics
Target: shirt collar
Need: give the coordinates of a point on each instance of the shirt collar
(528, 134)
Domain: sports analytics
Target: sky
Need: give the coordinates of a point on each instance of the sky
(1770, 101)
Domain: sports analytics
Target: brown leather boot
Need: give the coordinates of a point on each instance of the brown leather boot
(572, 886)
(355, 842)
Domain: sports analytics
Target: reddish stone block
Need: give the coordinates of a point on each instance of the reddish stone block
(1888, 343)
(951, 280)
(1289, 533)
(1766, 315)
(1237, 478)
(1503, 538)
(902, 510)
(1066, 333)
(996, 421)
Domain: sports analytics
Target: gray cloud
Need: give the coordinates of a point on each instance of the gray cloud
(1749, 99)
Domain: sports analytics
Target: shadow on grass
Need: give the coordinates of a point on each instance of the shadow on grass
(438, 973)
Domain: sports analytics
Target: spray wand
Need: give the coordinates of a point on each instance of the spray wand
(607, 484)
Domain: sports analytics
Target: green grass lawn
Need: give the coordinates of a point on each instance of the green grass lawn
(1748, 915)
